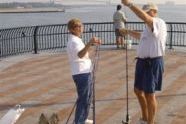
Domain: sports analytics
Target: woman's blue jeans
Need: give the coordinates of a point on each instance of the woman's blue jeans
(84, 90)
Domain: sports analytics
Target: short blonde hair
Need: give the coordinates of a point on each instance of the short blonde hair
(73, 23)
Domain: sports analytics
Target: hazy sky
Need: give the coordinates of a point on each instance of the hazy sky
(115, 1)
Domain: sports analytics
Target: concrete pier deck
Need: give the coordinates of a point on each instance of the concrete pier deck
(42, 83)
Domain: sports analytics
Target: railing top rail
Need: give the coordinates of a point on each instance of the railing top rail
(45, 37)
(84, 23)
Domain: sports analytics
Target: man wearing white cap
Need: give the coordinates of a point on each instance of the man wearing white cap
(149, 65)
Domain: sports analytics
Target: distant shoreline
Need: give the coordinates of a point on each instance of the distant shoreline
(31, 10)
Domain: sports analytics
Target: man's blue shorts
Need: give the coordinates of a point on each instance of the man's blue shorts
(148, 74)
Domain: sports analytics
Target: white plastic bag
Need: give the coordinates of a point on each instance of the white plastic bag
(129, 44)
(12, 115)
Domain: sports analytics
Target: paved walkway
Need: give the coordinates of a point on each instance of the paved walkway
(42, 83)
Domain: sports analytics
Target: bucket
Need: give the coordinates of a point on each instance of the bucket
(129, 44)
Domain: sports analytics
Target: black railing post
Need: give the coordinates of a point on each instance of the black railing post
(35, 40)
(171, 31)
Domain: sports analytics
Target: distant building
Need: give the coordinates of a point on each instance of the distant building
(29, 6)
(20, 7)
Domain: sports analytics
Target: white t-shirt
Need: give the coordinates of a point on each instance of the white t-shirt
(78, 65)
(118, 19)
(152, 44)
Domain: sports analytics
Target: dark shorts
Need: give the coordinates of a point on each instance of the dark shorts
(117, 33)
(149, 73)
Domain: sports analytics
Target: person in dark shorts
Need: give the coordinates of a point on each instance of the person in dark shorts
(119, 20)
(149, 65)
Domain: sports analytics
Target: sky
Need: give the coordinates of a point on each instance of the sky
(113, 1)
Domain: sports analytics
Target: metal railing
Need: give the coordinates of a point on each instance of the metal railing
(33, 39)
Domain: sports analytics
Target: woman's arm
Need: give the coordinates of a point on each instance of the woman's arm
(92, 41)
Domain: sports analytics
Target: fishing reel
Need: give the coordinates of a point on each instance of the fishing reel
(128, 120)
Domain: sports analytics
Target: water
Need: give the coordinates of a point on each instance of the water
(98, 13)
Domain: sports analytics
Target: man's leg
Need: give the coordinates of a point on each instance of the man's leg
(117, 37)
(121, 42)
(143, 103)
(152, 107)
(117, 41)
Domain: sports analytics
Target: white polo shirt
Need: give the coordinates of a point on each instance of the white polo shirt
(78, 65)
(152, 43)
(118, 18)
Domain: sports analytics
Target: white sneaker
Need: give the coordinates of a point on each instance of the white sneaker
(87, 121)
(141, 122)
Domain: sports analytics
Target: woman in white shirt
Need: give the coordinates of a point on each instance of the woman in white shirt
(81, 68)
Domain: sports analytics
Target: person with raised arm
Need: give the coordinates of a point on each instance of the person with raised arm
(150, 64)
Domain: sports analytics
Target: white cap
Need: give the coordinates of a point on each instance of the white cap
(150, 6)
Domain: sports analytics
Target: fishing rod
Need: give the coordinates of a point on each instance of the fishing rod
(95, 66)
(127, 121)
(127, 90)
(71, 113)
